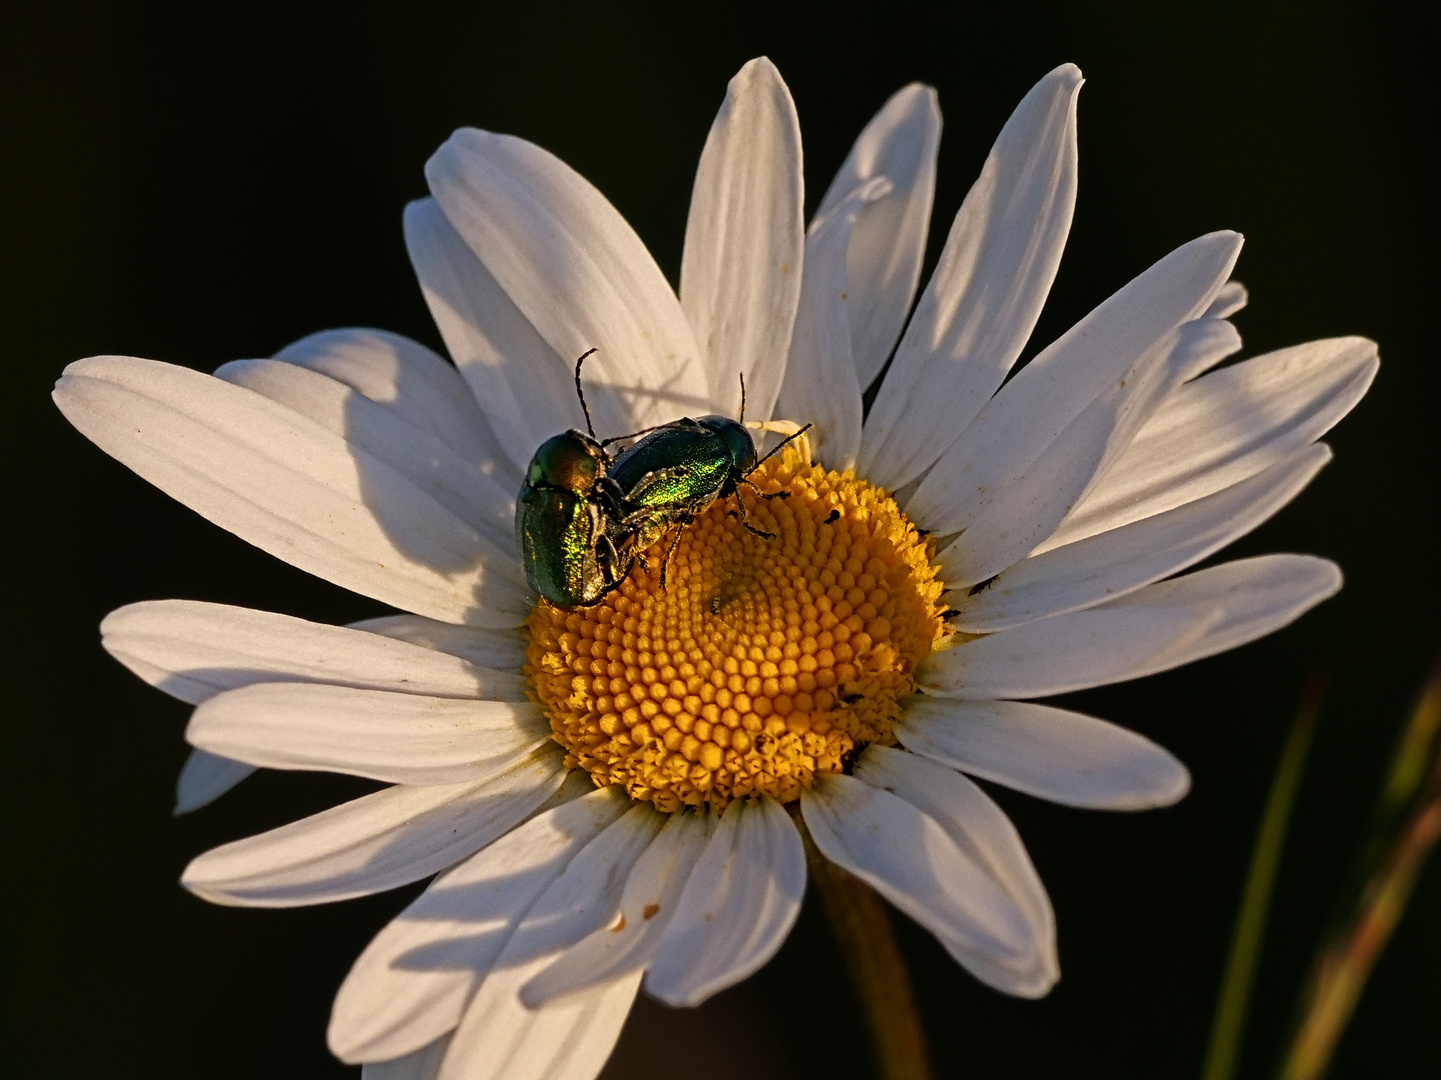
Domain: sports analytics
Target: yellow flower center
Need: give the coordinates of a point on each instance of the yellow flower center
(764, 663)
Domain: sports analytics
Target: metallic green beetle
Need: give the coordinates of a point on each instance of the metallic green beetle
(675, 472)
(562, 522)
(582, 517)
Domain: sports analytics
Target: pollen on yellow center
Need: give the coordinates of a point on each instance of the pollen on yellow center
(763, 663)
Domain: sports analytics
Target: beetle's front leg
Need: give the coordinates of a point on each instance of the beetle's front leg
(762, 494)
(681, 522)
(744, 515)
(610, 557)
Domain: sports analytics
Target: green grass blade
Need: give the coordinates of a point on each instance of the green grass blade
(1409, 825)
(1229, 1026)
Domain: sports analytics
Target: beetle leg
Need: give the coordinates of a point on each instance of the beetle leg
(609, 494)
(762, 494)
(745, 514)
(611, 558)
(665, 563)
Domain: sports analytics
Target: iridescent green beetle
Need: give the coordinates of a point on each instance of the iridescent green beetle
(561, 524)
(582, 517)
(675, 472)
(563, 519)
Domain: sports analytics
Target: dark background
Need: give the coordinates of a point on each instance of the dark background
(201, 186)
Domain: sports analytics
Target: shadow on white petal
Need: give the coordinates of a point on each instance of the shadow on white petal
(414, 980)
(980, 829)
(284, 483)
(574, 268)
(373, 843)
(915, 863)
(649, 901)
(986, 293)
(414, 383)
(569, 1039)
(204, 778)
(737, 908)
(422, 1064)
(740, 275)
(454, 480)
(887, 246)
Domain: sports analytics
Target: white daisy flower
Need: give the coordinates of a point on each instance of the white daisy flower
(609, 796)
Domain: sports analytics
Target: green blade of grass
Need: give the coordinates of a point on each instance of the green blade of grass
(1408, 825)
(1229, 1026)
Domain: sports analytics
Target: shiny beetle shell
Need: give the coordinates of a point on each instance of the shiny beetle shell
(675, 472)
(562, 522)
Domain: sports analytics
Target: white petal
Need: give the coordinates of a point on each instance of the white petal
(1098, 362)
(413, 981)
(204, 778)
(501, 1039)
(981, 829)
(194, 650)
(1050, 753)
(820, 384)
(412, 382)
(987, 290)
(883, 261)
(1231, 299)
(499, 650)
(454, 481)
(1224, 427)
(375, 842)
(574, 268)
(524, 388)
(1111, 564)
(402, 738)
(1033, 499)
(1066, 652)
(1200, 345)
(740, 276)
(737, 908)
(587, 896)
(1028, 503)
(647, 904)
(570, 1039)
(913, 862)
(289, 487)
(422, 1064)
(1256, 596)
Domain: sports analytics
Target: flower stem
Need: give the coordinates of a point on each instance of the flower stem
(862, 926)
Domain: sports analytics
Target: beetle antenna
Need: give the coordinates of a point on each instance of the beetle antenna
(743, 398)
(779, 447)
(581, 393)
(622, 438)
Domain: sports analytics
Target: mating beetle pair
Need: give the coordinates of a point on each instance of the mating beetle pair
(582, 517)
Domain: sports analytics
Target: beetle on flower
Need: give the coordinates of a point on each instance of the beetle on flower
(612, 796)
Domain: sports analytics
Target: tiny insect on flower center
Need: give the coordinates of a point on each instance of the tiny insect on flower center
(764, 662)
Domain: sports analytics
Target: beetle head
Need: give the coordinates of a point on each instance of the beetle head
(737, 440)
(570, 461)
